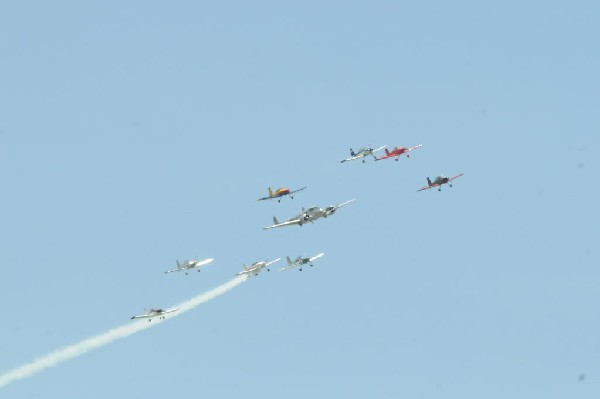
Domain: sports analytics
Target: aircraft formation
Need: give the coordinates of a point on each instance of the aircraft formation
(309, 215)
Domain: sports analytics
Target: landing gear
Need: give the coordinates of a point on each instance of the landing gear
(439, 189)
(300, 269)
(450, 184)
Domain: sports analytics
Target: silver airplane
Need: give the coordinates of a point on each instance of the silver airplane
(362, 153)
(256, 267)
(160, 313)
(308, 215)
(190, 264)
(300, 261)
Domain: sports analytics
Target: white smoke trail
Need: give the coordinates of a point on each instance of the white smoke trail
(126, 330)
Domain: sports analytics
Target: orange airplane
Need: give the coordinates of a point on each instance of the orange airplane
(280, 192)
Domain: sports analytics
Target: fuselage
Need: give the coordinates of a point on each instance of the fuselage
(281, 192)
(441, 180)
(397, 151)
(362, 152)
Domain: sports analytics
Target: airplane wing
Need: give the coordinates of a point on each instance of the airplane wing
(273, 261)
(289, 266)
(455, 177)
(142, 316)
(295, 191)
(385, 157)
(415, 147)
(427, 187)
(344, 203)
(283, 224)
(352, 158)
(175, 270)
(266, 198)
(204, 262)
(316, 257)
(380, 148)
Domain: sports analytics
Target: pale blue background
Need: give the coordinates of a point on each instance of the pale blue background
(135, 133)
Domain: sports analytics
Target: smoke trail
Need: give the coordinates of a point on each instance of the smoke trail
(126, 330)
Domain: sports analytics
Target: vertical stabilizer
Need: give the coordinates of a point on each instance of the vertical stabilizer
(289, 260)
(429, 181)
(178, 265)
(387, 152)
(270, 192)
(275, 221)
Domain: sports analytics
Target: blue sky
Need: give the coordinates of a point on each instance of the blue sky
(135, 134)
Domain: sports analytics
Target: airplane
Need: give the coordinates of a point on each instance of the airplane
(362, 153)
(160, 313)
(190, 264)
(299, 261)
(397, 152)
(308, 215)
(439, 181)
(280, 192)
(256, 267)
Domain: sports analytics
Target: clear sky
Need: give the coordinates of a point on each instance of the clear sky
(136, 133)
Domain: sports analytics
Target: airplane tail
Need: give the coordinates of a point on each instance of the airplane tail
(178, 265)
(352, 152)
(429, 181)
(275, 221)
(289, 260)
(270, 192)
(387, 152)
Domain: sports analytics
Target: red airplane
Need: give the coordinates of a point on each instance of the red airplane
(397, 152)
(438, 182)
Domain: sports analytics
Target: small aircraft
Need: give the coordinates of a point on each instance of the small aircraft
(397, 152)
(256, 267)
(190, 264)
(299, 261)
(362, 153)
(280, 192)
(439, 181)
(160, 313)
(308, 215)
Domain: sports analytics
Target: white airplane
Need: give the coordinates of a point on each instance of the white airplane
(299, 261)
(256, 267)
(160, 313)
(190, 264)
(362, 153)
(308, 215)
